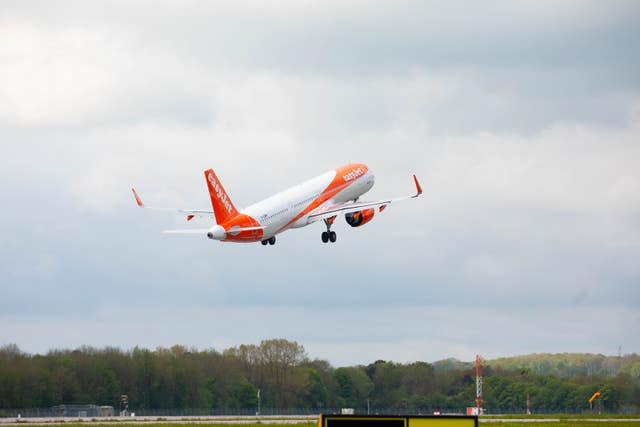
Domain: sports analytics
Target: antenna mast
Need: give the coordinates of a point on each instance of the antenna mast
(479, 399)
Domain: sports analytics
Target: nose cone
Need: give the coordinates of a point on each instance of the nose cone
(217, 233)
(370, 179)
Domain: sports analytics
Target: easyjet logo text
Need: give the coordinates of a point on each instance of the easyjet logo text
(220, 194)
(355, 173)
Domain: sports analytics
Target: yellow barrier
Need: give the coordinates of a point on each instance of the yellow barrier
(397, 421)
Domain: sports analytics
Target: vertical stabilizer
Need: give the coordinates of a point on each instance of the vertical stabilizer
(223, 208)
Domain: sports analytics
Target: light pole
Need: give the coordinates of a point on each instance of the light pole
(258, 413)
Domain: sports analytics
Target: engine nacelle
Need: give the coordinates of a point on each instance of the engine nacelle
(356, 219)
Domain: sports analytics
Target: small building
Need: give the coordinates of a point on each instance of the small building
(83, 411)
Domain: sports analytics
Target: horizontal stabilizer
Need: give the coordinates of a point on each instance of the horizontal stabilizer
(202, 231)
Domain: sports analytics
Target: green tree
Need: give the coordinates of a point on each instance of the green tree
(316, 390)
(354, 386)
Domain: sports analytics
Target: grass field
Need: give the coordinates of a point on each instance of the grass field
(572, 423)
(561, 417)
(503, 422)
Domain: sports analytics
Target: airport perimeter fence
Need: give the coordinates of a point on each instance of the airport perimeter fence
(203, 412)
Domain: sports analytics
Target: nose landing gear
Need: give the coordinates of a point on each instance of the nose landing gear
(329, 236)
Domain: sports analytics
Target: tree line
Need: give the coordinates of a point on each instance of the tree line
(281, 374)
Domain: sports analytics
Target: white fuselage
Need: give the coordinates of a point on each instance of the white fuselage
(291, 208)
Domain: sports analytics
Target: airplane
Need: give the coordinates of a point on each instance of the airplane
(324, 197)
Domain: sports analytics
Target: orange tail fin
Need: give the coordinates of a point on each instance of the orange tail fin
(223, 208)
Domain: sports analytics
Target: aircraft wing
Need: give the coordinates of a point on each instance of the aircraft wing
(190, 213)
(329, 211)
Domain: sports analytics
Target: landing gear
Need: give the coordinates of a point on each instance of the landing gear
(271, 240)
(329, 236)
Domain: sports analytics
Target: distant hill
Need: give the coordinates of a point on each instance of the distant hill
(558, 364)
(451, 364)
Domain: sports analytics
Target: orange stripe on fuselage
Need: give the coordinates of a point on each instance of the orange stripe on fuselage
(345, 176)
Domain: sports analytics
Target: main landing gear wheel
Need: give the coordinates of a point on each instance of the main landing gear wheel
(271, 241)
(329, 236)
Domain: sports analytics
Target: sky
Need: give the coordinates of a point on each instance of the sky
(521, 120)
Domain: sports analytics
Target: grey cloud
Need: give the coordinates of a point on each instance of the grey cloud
(538, 65)
(521, 121)
(366, 38)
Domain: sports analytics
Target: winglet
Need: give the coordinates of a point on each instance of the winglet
(418, 188)
(138, 199)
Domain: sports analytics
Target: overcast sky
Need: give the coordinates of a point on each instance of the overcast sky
(521, 119)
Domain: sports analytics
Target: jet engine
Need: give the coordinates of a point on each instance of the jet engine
(356, 219)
